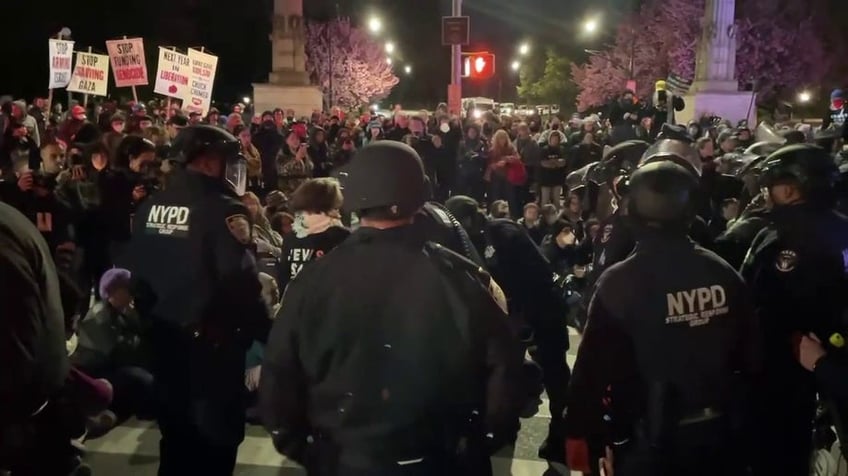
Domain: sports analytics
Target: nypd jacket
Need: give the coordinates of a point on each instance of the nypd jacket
(191, 261)
(671, 313)
(380, 351)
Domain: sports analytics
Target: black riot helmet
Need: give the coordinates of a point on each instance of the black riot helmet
(467, 211)
(623, 158)
(204, 140)
(662, 195)
(676, 145)
(807, 166)
(132, 147)
(384, 175)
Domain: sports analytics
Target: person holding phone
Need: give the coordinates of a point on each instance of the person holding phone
(293, 164)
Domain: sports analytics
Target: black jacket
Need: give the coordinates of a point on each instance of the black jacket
(191, 260)
(297, 252)
(32, 329)
(674, 314)
(349, 361)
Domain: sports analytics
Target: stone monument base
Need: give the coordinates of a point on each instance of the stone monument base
(731, 105)
(303, 99)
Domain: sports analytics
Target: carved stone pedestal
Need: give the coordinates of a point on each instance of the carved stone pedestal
(303, 99)
(731, 105)
(288, 84)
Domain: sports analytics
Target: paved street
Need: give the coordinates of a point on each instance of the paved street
(133, 448)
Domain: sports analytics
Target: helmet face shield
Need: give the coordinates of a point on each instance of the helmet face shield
(236, 174)
(680, 152)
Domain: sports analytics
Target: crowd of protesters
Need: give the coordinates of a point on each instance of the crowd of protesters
(79, 177)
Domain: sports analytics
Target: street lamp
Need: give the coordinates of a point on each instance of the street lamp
(591, 26)
(407, 69)
(804, 97)
(375, 25)
(515, 65)
(390, 47)
(524, 49)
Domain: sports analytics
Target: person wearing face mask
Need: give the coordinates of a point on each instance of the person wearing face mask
(319, 152)
(623, 116)
(196, 282)
(125, 185)
(471, 162)
(419, 140)
(796, 271)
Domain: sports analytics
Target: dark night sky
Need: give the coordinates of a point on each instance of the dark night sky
(237, 32)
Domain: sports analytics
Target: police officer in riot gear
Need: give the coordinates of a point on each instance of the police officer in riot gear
(438, 224)
(528, 283)
(796, 268)
(671, 338)
(197, 283)
(352, 382)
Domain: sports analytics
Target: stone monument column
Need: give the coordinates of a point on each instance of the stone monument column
(288, 84)
(715, 89)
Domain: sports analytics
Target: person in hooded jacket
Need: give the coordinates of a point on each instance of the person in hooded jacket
(317, 227)
(124, 186)
(837, 111)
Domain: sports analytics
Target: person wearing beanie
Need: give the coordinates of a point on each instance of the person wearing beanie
(111, 345)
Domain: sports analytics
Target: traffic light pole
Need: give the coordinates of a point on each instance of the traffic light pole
(456, 54)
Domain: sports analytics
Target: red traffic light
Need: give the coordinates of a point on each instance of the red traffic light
(479, 65)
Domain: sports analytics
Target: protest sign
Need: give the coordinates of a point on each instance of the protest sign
(128, 65)
(199, 94)
(61, 55)
(172, 76)
(91, 74)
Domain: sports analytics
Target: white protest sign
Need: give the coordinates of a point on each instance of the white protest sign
(128, 64)
(91, 74)
(172, 77)
(61, 55)
(199, 95)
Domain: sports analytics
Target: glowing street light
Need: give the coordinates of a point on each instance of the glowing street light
(390, 47)
(375, 25)
(591, 26)
(515, 65)
(524, 49)
(388, 61)
(407, 69)
(804, 96)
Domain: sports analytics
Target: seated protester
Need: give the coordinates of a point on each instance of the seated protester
(550, 215)
(276, 201)
(532, 223)
(317, 227)
(282, 223)
(256, 352)
(559, 247)
(500, 209)
(111, 346)
(86, 399)
(268, 242)
(573, 212)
